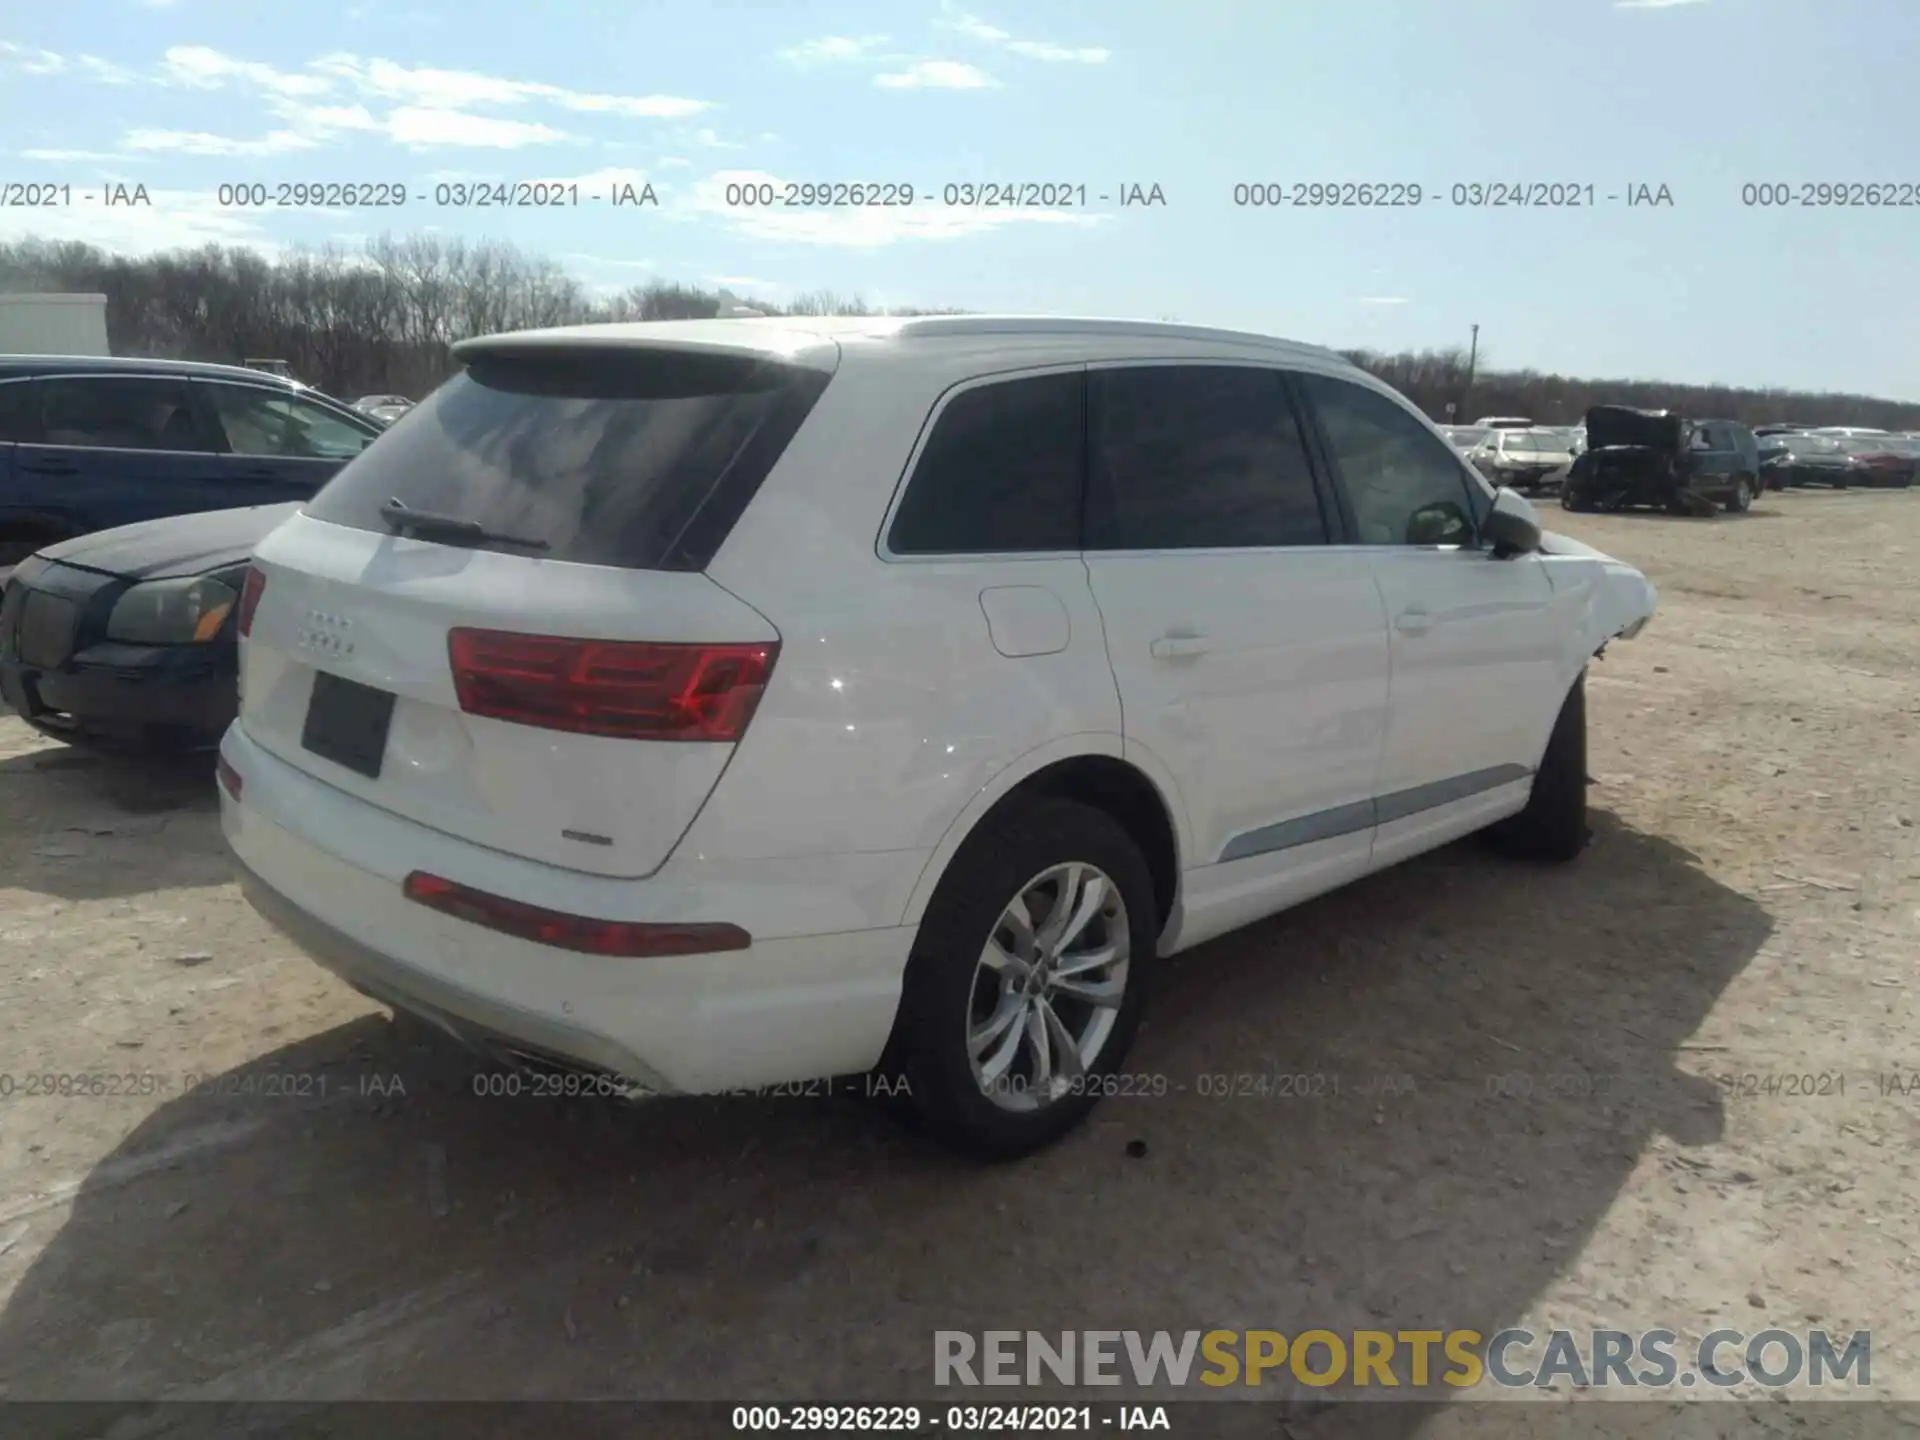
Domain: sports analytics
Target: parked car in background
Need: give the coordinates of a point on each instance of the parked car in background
(1528, 460)
(1463, 437)
(92, 443)
(1886, 461)
(566, 744)
(1848, 431)
(1780, 427)
(384, 408)
(1503, 422)
(1800, 458)
(1578, 439)
(125, 638)
(1724, 463)
(1658, 458)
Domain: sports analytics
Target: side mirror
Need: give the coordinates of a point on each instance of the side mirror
(1444, 523)
(1512, 526)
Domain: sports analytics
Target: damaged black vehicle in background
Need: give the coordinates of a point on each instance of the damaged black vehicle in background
(127, 639)
(1660, 459)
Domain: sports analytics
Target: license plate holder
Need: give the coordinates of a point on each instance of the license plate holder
(347, 723)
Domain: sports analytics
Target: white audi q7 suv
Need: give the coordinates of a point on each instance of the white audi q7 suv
(721, 704)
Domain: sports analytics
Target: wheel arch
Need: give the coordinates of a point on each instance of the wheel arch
(1097, 770)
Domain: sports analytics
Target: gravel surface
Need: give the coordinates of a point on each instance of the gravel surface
(1548, 1097)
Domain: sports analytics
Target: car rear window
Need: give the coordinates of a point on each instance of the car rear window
(641, 459)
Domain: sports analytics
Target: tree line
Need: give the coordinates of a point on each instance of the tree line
(380, 319)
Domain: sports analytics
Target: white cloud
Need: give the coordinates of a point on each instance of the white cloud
(203, 68)
(866, 227)
(974, 28)
(73, 155)
(601, 181)
(1041, 50)
(835, 49)
(714, 142)
(198, 142)
(459, 89)
(430, 107)
(106, 72)
(424, 127)
(936, 75)
(29, 60)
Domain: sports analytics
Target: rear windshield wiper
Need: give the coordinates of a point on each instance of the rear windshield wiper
(404, 520)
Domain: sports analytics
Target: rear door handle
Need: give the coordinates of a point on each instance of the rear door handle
(1414, 620)
(1170, 647)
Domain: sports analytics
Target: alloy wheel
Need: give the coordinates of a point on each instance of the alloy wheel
(1048, 987)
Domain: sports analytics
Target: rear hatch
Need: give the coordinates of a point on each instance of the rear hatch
(494, 621)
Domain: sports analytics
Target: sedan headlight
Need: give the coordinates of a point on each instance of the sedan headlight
(172, 612)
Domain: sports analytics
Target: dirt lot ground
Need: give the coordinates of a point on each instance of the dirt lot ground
(1749, 909)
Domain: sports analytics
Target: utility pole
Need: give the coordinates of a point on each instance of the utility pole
(1466, 395)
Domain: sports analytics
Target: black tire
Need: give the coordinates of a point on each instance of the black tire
(1553, 826)
(928, 1050)
(1571, 499)
(1741, 499)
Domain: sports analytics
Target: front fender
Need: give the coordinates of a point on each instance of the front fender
(1606, 599)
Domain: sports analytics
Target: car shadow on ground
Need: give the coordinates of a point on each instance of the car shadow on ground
(1406, 1105)
(82, 824)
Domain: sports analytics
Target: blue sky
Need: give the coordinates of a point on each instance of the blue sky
(1702, 96)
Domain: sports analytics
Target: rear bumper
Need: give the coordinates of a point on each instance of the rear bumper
(325, 869)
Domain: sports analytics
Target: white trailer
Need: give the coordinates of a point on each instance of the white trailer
(53, 325)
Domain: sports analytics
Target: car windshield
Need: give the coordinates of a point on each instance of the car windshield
(1539, 439)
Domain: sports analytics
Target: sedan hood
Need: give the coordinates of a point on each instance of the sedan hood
(175, 545)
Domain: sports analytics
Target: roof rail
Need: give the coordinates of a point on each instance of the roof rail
(931, 325)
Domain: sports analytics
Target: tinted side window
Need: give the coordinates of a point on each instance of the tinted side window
(19, 412)
(119, 412)
(1194, 457)
(1001, 472)
(1405, 485)
(261, 422)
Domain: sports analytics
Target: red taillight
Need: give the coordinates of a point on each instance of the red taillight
(229, 777)
(638, 690)
(571, 932)
(250, 598)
